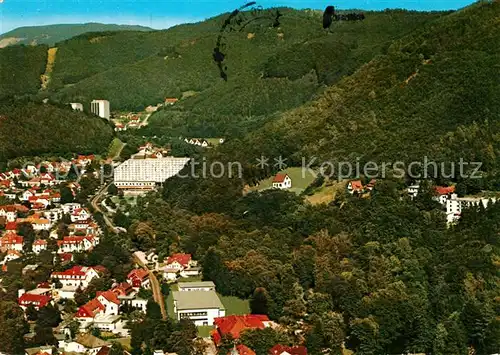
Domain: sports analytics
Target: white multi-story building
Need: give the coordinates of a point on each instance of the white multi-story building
(77, 276)
(201, 307)
(455, 205)
(146, 174)
(100, 108)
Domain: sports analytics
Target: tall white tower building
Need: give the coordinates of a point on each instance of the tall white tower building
(100, 108)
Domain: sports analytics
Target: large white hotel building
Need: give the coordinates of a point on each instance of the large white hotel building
(144, 174)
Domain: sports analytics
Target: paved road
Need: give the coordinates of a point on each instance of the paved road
(155, 287)
(155, 284)
(95, 204)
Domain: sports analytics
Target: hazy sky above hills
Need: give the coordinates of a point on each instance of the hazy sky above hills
(165, 13)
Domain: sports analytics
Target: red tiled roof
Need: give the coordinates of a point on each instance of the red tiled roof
(90, 309)
(182, 259)
(280, 178)
(66, 257)
(11, 226)
(169, 100)
(37, 300)
(139, 274)
(122, 289)
(292, 350)
(74, 271)
(356, 185)
(444, 190)
(40, 242)
(108, 295)
(11, 238)
(234, 325)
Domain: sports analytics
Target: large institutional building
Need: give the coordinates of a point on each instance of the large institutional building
(147, 173)
(100, 108)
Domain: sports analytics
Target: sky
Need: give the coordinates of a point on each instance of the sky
(161, 14)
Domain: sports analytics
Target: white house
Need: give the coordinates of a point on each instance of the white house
(77, 276)
(39, 245)
(80, 214)
(201, 307)
(71, 244)
(84, 344)
(282, 181)
(455, 205)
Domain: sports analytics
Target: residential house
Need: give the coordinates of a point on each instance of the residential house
(170, 101)
(71, 244)
(413, 189)
(355, 186)
(201, 307)
(39, 245)
(11, 255)
(80, 214)
(11, 241)
(139, 278)
(37, 298)
(443, 193)
(282, 181)
(70, 208)
(455, 205)
(233, 325)
(179, 262)
(84, 344)
(77, 276)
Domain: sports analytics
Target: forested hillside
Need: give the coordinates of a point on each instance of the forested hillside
(34, 129)
(20, 69)
(33, 35)
(149, 67)
(435, 93)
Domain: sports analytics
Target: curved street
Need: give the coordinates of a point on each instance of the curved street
(155, 284)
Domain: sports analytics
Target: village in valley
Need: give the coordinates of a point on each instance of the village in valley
(45, 232)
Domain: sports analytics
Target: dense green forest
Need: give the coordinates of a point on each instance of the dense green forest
(32, 129)
(435, 93)
(52, 34)
(20, 69)
(151, 66)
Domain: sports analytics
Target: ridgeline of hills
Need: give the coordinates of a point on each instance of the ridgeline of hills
(51, 34)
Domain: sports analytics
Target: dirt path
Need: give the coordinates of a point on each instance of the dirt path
(51, 59)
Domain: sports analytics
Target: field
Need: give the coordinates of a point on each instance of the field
(115, 148)
(326, 193)
(299, 182)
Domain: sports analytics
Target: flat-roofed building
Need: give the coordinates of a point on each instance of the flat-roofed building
(201, 307)
(147, 174)
(100, 108)
(196, 286)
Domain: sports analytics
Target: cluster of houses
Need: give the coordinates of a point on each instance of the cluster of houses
(200, 142)
(46, 173)
(102, 312)
(179, 266)
(150, 151)
(357, 187)
(453, 205)
(83, 231)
